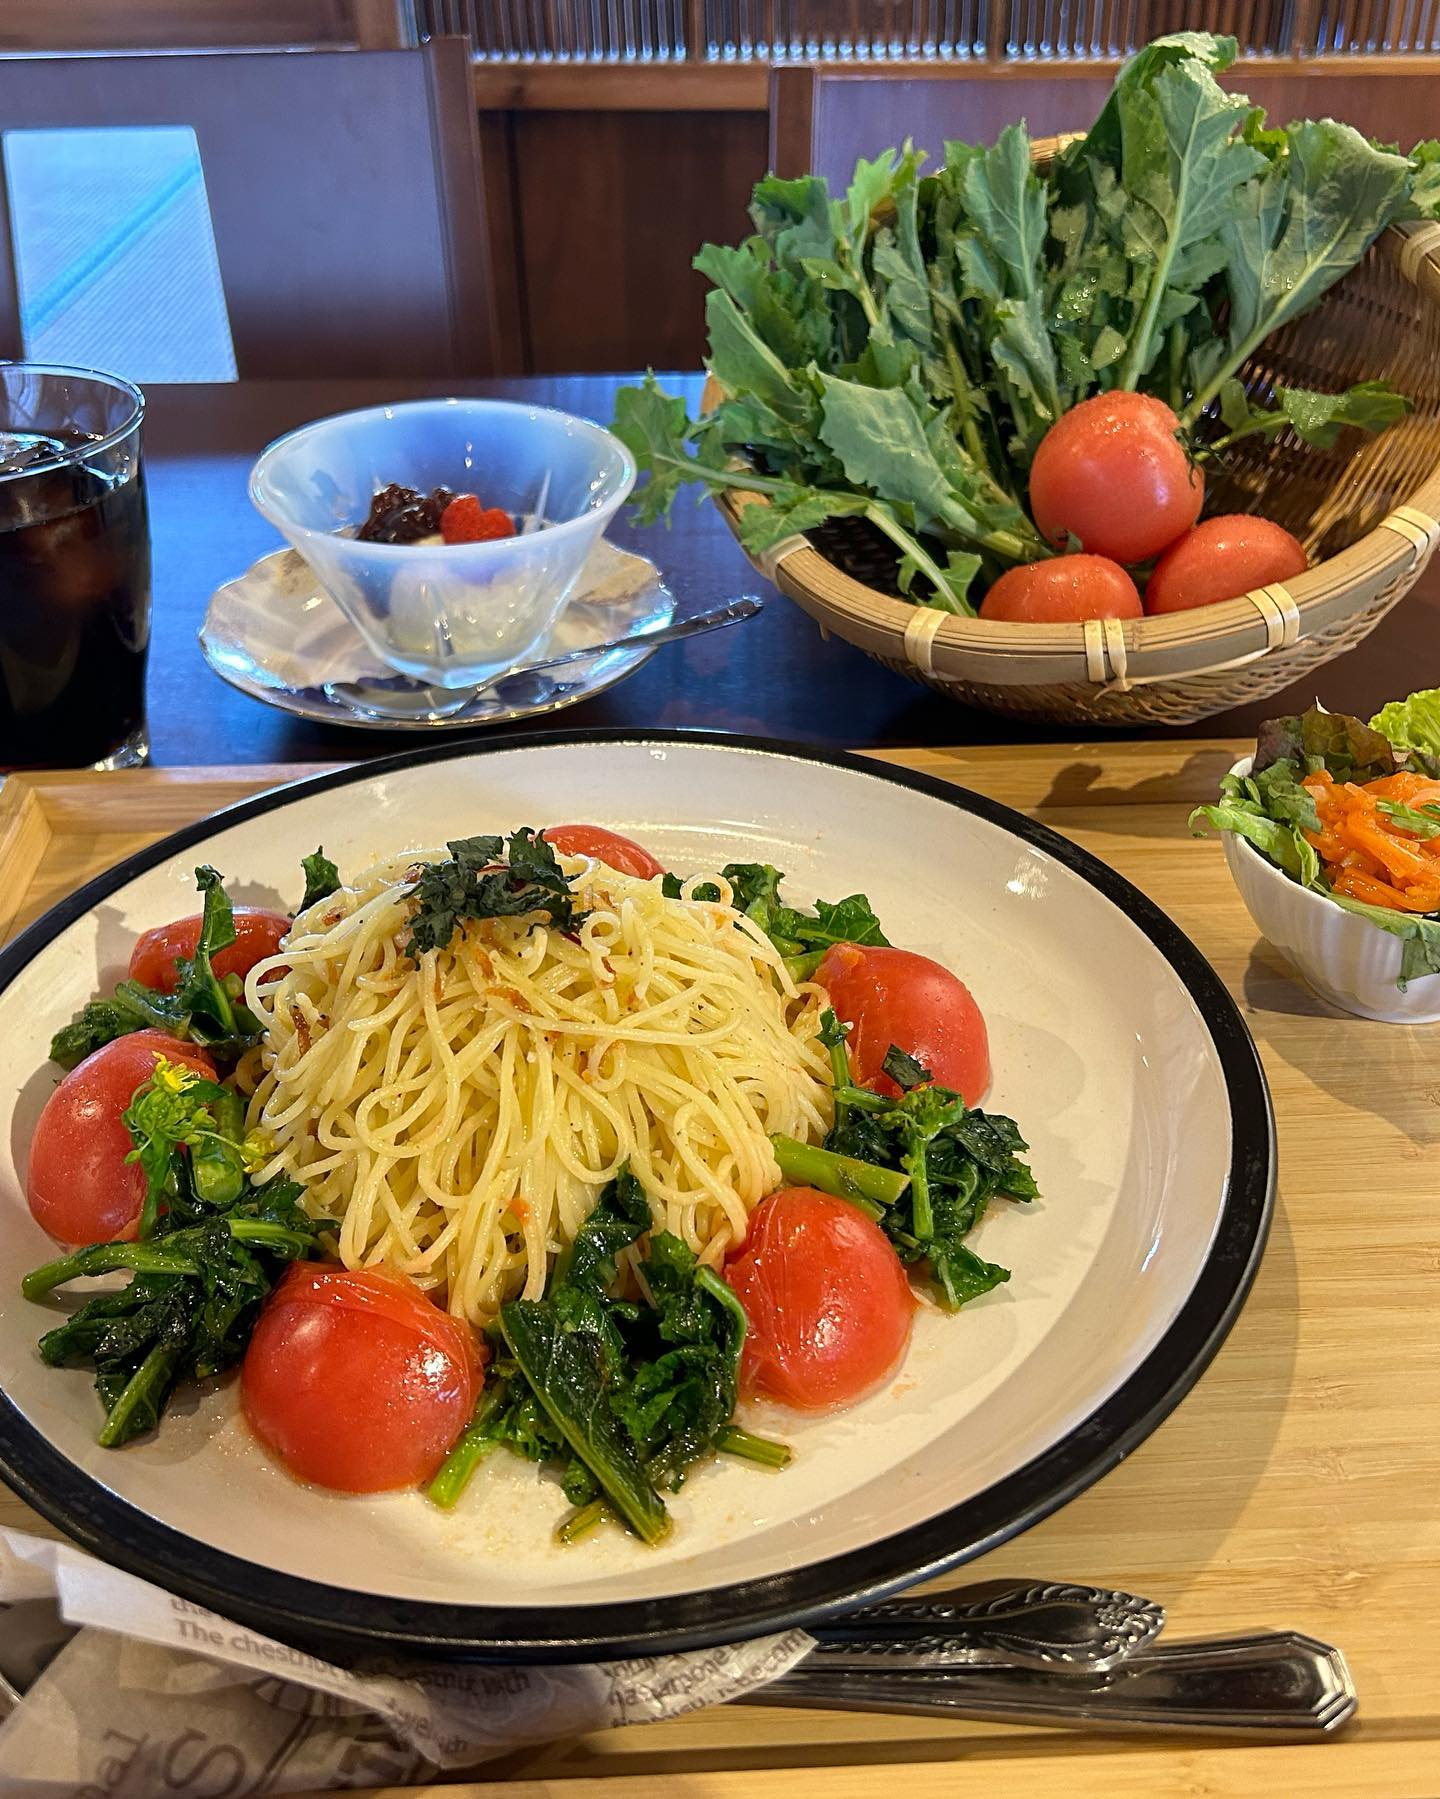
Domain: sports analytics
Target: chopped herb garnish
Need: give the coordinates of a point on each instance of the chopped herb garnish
(490, 877)
(322, 878)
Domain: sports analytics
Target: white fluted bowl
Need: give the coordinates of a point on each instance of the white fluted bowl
(1347, 960)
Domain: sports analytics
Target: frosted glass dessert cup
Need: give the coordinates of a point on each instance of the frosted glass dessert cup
(448, 615)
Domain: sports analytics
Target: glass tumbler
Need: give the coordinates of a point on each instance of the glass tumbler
(74, 569)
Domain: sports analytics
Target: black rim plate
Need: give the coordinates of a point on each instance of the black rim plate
(349, 1624)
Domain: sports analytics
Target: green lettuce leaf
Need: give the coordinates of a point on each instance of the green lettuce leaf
(1424, 197)
(1413, 723)
(1419, 935)
(1244, 808)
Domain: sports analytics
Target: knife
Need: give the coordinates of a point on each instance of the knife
(1267, 1684)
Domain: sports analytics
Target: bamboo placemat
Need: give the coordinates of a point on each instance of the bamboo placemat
(1298, 1485)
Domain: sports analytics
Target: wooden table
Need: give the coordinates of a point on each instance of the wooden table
(1296, 1486)
(774, 676)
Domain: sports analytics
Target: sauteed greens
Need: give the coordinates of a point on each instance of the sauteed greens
(924, 1166)
(624, 1396)
(202, 1008)
(209, 1247)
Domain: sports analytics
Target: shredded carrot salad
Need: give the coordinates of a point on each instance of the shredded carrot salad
(1370, 855)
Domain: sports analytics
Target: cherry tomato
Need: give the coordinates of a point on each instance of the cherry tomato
(1069, 587)
(257, 935)
(894, 996)
(1113, 472)
(356, 1380)
(621, 853)
(828, 1304)
(1222, 559)
(80, 1187)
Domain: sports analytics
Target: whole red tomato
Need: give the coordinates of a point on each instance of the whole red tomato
(257, 935)
(356, 1380)
(1062, 590)
(1221, 559)
(893, 996)
(1114, 473)
(826, 1299)
(79, 1185)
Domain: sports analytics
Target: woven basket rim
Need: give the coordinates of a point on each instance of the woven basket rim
(1159, 647)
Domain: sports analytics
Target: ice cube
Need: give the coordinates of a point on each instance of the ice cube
(21, 450)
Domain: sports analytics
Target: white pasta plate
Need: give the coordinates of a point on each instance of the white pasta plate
(1114, 1045)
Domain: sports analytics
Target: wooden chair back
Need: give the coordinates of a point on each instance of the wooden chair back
(823, 118)
(344, 188)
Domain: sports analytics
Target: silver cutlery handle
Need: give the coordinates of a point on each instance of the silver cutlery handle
(1272, 1684)
(1040, 1624)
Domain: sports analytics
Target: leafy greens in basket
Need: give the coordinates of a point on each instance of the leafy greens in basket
(1275, 808)
(897, 354)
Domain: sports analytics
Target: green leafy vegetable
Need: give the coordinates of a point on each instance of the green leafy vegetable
(1412, 724)
(895, 354)
(1244, 807)
(322, 878)
(801, 937)
(490, 877)
(211, 1245)
(903, 1069)
(566, 1371)
(1317, 418)
(1419, 936)
(177, 1109)
(1345, 747)
(623, 1396)
(202, 1009)
(1181, 165)
(200, 991)
(954, 1161)
(130, 1008)
(1296, 228)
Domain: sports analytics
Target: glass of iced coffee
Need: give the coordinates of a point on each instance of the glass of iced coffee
(74, 569)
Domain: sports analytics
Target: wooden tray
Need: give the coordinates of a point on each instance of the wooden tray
(1296, 1486)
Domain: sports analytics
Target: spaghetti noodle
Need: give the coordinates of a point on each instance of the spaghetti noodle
(458, 1114)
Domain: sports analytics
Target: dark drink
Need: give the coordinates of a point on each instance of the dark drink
(74, 571)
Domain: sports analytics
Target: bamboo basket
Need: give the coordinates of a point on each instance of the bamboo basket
(1366, 512)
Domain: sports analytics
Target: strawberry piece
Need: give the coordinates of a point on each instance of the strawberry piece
(465, 520)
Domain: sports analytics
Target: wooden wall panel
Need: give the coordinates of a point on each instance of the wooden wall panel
(610, 209)
(79, 25)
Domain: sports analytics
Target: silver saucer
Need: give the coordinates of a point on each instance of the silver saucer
(276, 635)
